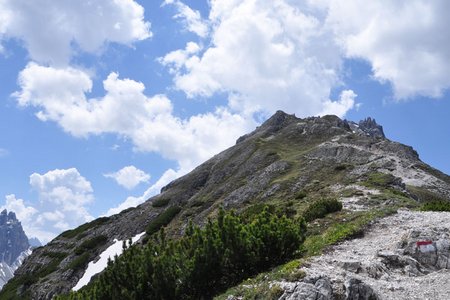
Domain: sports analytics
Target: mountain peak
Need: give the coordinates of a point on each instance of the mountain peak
(371, 127)
(13, 240)
(368, 127)
(6, 217)
(13, 245)
(286, 163)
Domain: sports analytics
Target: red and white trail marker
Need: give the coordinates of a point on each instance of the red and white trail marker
(425, 246)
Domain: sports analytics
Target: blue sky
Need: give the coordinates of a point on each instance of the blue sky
(104, 102)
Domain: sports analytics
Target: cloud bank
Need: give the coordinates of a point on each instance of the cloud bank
(53, 31)
(64, 196)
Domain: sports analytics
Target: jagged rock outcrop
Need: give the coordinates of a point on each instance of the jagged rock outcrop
(34, 242)
(355, 289)
(13, 245)
(13, 240)
(311, 288)
(368, 127)
(283, 158)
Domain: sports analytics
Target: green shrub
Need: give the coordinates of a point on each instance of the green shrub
(80, 262)
(436, 206)
(58, 255)
(424, 195)
(340, 167)
(224, 252)
(81, 229)
(161, 202)
(15, 284)
(379, 179)
(253, 210)
(300, 195)
(162, 219)
(90, 244)
(320, 208)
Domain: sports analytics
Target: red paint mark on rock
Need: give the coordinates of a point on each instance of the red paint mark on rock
(423, 243)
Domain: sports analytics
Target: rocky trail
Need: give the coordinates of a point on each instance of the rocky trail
(403, 256)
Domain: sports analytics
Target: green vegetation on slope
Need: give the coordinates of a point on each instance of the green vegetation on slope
(10, 291)
(162, 219)
(161, 202)
(91, 243)
(225, 252)
(437, 205)
(320, 208)
(83, 228)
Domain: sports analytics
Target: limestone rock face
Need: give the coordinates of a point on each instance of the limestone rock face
(310, 289)
(13, 240)
(368, 127)
(13, 245)
(371, 127)
(358, 290)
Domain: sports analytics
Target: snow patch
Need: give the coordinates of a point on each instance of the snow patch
(96, 267)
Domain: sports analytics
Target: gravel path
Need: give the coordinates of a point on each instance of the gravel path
(353, 258)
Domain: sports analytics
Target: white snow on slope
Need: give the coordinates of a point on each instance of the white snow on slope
(96, 267)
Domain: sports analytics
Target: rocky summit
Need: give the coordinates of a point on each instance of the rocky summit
(287, 164)
(13, 245)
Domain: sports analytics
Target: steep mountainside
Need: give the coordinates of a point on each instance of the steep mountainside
(287, 162)
(13, 245)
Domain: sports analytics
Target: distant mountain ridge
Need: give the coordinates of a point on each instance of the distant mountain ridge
(287, 162)
(14, 246)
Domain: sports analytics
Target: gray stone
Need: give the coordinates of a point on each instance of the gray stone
(351, 266)
(355, 289)
(310, 289)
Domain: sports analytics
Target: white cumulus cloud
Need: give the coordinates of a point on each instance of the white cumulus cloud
(63, 199)
(267, 55)
(22, 211)
(406, 42)
(64, 194)
(129, 177)
(191, 19)
(49, 28)
(125, 110)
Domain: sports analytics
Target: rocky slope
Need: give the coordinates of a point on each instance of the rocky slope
(396, 256)
(286, 162)
(14, 245)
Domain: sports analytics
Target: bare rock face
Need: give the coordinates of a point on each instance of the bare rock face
(13, 245)
(318, 288)
(368, 127)
(355, 289)
(13, 240)
(321, 288)
(430, 248)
